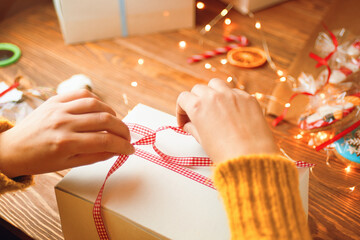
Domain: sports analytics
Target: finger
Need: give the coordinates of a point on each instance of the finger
(85, 159)
(241, 93)
(87, 105)
(101, 142)
(201, 90)
(102, 121)
(218, 85)
(70, 96)
(190, 128)
(183, 104)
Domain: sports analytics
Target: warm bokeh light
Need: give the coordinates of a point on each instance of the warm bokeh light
(141, 61)
(352, 188)
(287, 105)
(229, 79)
(299, 136)
(348, 169)
(134, 84)
(227, 21)
(182, 44)
(322, 135)
(200, 5)
(258, 96)
(126, 101)
(280, 73)
(257, 25)
(322, 95)
(224, 12)
(207, 27)
(283, 79)
(207, 65)
(223, 61)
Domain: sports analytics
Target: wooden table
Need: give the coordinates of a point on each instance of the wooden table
(334, 213)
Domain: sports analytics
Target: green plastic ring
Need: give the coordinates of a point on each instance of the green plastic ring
(12, 48)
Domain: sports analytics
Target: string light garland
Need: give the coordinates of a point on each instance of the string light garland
(222, 14)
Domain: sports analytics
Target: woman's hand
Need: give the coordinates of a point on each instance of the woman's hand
(66, 131)
(227, 122)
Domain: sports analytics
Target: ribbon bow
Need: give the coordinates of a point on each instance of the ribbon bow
(173, 163)
(170, 162)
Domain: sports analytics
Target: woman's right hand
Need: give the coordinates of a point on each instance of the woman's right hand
(228, 123)
(65, 131)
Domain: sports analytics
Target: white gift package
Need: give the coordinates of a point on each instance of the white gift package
(143, 200)
(89, 20)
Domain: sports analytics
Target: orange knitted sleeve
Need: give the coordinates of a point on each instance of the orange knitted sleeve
(261, 197)
(12, 184)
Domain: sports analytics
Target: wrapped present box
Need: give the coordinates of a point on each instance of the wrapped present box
(91, 20)
(143, 200)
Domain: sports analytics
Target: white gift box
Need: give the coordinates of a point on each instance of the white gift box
(89, 20)
(143, 200)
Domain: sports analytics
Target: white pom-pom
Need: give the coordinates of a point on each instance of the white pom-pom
(76, 82)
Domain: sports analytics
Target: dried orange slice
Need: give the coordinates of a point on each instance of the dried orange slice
(246, 57)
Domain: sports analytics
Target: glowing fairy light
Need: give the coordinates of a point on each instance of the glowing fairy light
(257, 25)
(134, 84)
(200, 5)
(207, 65)
(207, 27)
(283, 79)
(141, 61)
(352, 188)
(348, 169)
(322, 136)
(299, 136)
(287, 105)
(224, 12)
(227, 21)
(322, 95)
(280, 73)
(126, 101)
(223, 61)
(258, 96)
(182, 44)
(229, 79)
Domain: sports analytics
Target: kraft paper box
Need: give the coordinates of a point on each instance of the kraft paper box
(342, 14)
(143, 200)
(89, 20)
(246, 6)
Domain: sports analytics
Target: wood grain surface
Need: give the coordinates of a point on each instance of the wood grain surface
(113, 64)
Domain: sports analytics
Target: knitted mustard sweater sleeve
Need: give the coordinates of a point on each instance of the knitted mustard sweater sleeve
(262, 199)
(12, 184)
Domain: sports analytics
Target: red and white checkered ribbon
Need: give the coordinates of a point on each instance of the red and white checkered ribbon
(170, 162)
(241, 41)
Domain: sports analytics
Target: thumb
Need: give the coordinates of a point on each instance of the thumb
(190, 128)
